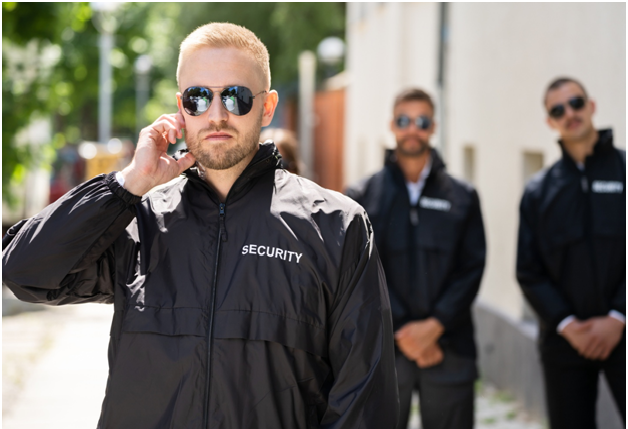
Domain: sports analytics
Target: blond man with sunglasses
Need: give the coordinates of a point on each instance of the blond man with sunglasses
(245, 296)
(571, 260)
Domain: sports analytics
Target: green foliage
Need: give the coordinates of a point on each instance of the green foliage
(51, 56)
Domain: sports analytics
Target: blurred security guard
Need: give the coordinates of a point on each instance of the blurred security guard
(571, 261)
(428, 229)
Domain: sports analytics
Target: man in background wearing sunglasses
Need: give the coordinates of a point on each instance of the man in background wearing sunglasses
(428, 229)
(244, 295)
(571, 260)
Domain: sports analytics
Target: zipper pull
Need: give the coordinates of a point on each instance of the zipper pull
(414, 216)
(584, 183)
(223, 230)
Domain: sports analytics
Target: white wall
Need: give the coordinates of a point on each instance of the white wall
(500, 57)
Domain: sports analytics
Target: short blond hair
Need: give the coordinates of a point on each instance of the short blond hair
(226, 35)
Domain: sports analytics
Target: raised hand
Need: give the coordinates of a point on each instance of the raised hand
(151, 165)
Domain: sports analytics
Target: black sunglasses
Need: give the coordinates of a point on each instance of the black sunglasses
(576, 103)
(236, 99)
(421, 122)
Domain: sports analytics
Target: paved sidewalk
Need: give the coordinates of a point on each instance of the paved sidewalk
(54, 367)
(54, 373)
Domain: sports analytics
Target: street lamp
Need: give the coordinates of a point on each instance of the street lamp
(106, 22)
(330, 51)
(307, 88)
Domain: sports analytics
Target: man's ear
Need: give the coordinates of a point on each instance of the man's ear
(550, 122)
(179, 102)
(270, 104)
(593, 106)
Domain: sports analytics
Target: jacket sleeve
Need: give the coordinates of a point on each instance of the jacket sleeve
(542, 294)
(64, 254)
(454, 304)
(619, 300)
(361, 351)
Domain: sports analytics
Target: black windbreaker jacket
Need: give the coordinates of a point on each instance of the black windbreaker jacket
(434, 263)
(571, 256)
(268, 311)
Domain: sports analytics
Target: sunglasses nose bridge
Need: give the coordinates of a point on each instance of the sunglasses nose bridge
(216, 111)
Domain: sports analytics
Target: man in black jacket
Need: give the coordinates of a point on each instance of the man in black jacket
(428, 229)
(571, 260)
(245, 296)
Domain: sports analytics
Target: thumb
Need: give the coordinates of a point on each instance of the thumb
(583, 325)
(185, 162)
(401, 333)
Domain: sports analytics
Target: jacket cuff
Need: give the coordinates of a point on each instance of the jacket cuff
(117, 189)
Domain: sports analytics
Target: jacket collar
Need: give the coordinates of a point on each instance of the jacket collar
(603, 145)
(266, 159)
(390, 163)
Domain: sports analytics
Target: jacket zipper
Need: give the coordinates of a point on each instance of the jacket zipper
(222, 236)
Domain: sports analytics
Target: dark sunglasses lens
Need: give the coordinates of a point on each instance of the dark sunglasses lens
(237, 100)
(557, 112)
(402, 121)
(576, 103)
(196, 100)
(423, 122)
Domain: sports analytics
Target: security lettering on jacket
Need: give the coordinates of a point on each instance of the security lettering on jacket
(271, 252)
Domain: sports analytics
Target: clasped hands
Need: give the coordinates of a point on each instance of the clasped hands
(418, 341)
(594, 338)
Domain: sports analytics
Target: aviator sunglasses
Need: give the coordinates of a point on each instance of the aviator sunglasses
(558, 111)
(236, 99)
(421, 122)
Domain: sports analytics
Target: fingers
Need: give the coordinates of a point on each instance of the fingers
(583, 325)
(185, 162)
(430, 357)
(593, 349)
(401, 333)
(166, 129)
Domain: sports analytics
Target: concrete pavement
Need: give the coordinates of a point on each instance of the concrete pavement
(54, 367)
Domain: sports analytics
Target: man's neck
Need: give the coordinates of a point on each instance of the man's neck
(579, 149)
(412, 166)
(221, 181)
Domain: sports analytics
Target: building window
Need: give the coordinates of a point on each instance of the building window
(468, 164)
(532, 162)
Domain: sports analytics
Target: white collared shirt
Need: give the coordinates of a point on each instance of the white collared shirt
(415, 189)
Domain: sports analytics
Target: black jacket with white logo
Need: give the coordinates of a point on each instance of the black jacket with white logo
(571, 255)
(433, 253)
(268, 311)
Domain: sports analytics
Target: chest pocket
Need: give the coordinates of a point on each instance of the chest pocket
(260, 326)
(165, 321)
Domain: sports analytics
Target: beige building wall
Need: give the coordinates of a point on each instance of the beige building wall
(499, 59)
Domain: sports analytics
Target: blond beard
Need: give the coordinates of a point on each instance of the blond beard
(224, 159)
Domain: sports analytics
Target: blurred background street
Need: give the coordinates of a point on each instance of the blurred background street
(80, 80)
